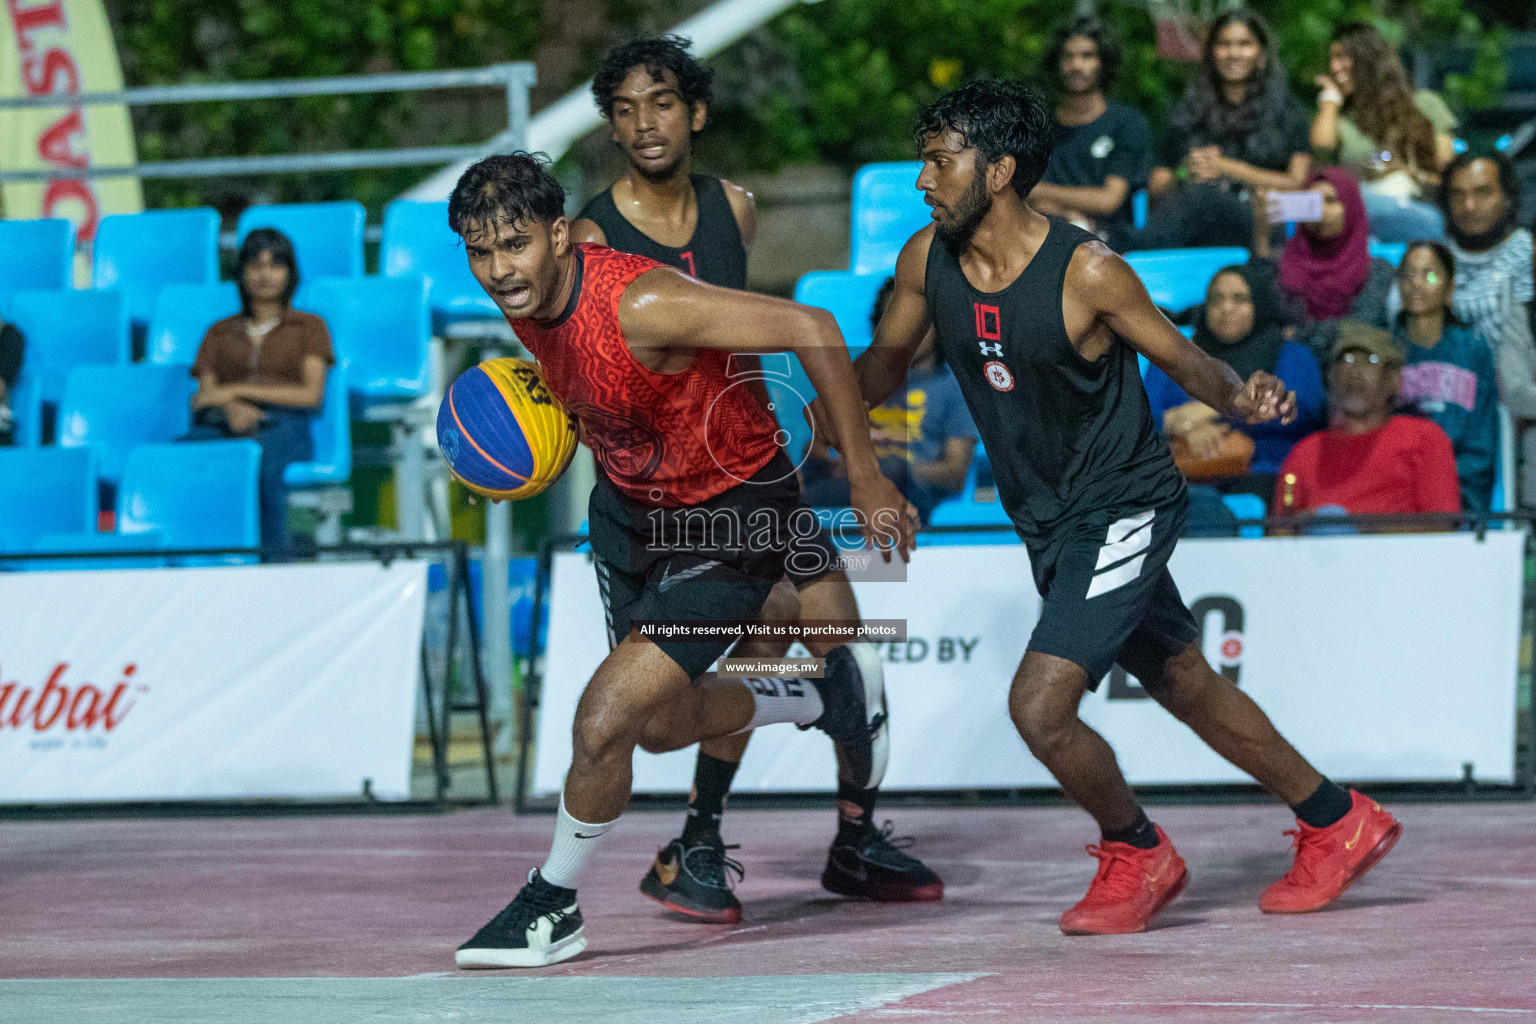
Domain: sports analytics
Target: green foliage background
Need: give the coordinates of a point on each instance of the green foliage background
(177, 41)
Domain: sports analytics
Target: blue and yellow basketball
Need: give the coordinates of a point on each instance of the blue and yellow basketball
(501, 431)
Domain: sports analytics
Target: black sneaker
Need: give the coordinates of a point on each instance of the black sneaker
(695, 880)
(541, 926)
(870, 865)
(854, 712)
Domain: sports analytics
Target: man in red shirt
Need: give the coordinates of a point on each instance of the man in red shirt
(1369, 461)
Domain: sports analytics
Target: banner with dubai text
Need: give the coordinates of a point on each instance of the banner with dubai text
(63, 48)
(243, 682)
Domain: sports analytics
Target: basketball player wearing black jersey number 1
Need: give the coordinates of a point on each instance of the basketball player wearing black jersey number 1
(1041, 324)
(655, 97)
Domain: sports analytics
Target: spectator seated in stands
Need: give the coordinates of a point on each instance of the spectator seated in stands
(11, 348)
(1369, 461)
(1493, 292)
(1448, 372)
(1393, 140)
(261, 374)
(1241, 325)
(1237, 130)
(923, 436)
(1103, 149)
(1326, 272)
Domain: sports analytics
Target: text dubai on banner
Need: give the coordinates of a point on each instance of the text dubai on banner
(290, 681)
(1383, 658)
(63, 48)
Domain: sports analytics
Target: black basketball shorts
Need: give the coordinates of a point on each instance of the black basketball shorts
(1109, 598)
(717, 560)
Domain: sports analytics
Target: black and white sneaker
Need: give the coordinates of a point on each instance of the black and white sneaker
(695, 880)
(541, 926)
(854, 712)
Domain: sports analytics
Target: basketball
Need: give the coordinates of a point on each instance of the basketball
(501, 431)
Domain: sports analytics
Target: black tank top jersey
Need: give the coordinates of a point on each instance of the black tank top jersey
(715, 254)
(1069, 440)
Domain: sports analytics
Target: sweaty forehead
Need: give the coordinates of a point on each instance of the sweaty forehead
(947, 141)
(639, 82)
(489, 233)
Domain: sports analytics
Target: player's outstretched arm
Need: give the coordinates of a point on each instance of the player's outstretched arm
(1117, 299)
(666, 309)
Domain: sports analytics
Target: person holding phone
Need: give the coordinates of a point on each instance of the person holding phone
(1326, 272)
(1393, 140)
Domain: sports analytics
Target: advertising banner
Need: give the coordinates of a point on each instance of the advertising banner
(63, 48)
(1382, 658)
(241, 682)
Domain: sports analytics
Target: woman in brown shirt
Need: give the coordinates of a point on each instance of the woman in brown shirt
(261, 374)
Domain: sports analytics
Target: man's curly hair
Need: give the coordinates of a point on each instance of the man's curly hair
(695, 82)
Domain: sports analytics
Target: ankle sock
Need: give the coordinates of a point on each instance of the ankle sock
(574, 843)
(855, 810)
(711, 783)
(1142, 834)
(1326, 806)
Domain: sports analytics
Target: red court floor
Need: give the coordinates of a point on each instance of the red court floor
(1441, 931)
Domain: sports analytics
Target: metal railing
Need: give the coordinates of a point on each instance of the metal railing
(516, 78)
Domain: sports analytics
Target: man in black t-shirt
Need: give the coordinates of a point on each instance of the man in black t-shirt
(1103, 149)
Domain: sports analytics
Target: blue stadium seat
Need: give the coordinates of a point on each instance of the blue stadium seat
(1139, 207)
(1503, 497)
(327, 237)
(848, 297)
(27, 408)
(65, 329)
(1392, 252)
(113, 409)
(331, 432)
(887, 210)
(965, 509)
(45, 491)
(1246, 506)
(183, 314)
(417, 240)
(196, 495)
(141, 253)
(1177, 278)
(382, 327)
(34, 255)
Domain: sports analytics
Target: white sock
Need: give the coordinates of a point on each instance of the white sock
(574, 843)
(782, 700)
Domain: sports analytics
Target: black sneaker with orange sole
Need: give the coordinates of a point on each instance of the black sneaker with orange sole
(695, 880)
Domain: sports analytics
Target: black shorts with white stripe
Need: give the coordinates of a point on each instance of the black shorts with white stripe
(1109, 598)
(715, 560)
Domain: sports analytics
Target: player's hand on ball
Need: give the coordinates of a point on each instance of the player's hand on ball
(1264, 398)
(885, 517)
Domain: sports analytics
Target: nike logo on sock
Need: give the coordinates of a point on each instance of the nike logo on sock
(583, 835)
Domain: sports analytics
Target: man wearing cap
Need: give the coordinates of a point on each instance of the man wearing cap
(1369, 461)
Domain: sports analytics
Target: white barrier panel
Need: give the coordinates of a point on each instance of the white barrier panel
(218, 683)
(1382, 658)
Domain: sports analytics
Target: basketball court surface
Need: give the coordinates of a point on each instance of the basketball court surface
(355, 918)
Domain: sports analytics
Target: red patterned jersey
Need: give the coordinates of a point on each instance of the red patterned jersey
(665, 439)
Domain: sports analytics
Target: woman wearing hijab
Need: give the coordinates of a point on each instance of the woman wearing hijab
(1326, 272)
(1241, 324)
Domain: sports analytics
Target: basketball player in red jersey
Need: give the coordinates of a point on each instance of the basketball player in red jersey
(655, 97)
(695, 517)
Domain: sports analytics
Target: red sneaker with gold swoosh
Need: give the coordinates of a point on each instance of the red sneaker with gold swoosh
(1328, 860)
(1131, 887)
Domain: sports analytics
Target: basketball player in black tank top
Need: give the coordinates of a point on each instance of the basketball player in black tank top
(655, 96)
(1041, 324)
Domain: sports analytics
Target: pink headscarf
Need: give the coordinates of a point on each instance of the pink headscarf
(1328, 273)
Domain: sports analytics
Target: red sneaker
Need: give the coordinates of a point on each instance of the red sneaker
(1131, 887)
(1328, 860)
